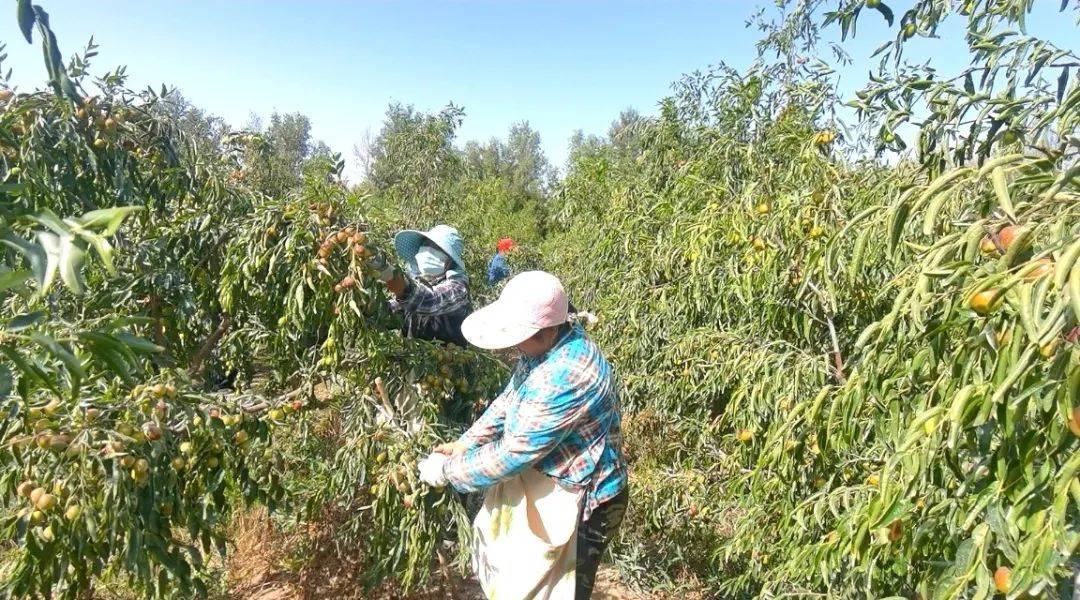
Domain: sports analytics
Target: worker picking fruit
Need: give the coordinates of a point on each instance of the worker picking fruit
(550, 446)
(432, 294)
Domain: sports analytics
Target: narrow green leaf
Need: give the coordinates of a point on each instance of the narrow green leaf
(24, 321)
(103, 249)
(49, 219)
(39, 260)
(71, 362)
(28, 369)
(137, 343)
(1001, 188)
(72, 257)
(50, 242)
(896, 226)
(108, 220)
(13, 278)
(885, 12)
(26, 20)
(7, 381)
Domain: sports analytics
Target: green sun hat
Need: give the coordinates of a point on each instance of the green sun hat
(407, 243)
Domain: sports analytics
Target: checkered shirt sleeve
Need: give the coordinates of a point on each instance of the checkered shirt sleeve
(446, 296)
(550, 421)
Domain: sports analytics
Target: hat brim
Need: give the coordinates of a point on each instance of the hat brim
(407, 242)
(492, 328)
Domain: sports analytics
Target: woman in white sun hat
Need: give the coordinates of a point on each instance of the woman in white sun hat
(433, 294)
(548, 450)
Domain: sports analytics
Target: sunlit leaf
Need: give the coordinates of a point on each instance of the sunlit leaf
(24, 321)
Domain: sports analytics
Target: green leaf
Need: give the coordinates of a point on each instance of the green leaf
(117, 362)
(25, 320)
(10, 278)
(29, 369)
(49, 219)
(127, 321)
(7, 381)
(71, 362)
(72, 257)
(957, 576)
(38, 257)
(26, 20)
(137, 343)
(110, 350)
(11, 189)
(896, 226)
(69, 89)
(108, 220)
(50, 242)
(1001, 189)
(103, 248)
(885, 12)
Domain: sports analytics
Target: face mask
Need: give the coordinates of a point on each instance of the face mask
(431, 262)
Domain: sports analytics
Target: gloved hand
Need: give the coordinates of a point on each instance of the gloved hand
(451, 449)
(385, 268)
(431, 469)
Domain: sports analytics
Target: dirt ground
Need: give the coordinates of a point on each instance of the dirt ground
(256, 572)
(608, 588)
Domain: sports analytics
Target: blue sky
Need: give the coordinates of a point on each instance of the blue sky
(560, 64)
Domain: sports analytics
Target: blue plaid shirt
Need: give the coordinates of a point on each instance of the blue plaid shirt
(560, 415)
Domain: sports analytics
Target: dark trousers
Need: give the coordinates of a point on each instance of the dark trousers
(594, 536)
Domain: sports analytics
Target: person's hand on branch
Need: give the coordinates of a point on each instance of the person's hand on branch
(431, 469)
(388, 274)
(451, 449)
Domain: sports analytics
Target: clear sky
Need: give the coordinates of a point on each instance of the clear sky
(560, 64)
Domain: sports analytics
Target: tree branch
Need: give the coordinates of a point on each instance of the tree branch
(838, 359)
(208, 346)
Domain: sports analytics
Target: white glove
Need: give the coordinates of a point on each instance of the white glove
(384, 267)
(431, 469)
(588, 318)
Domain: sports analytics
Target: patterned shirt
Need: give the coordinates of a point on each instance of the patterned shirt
(560, 415)
(434, 310)
(445, 295)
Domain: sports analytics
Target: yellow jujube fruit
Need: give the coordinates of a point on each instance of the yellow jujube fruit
(929, 425)
(45, 502)
(36, 495)
(984, 302)
(1001, 579)
(1074, 421)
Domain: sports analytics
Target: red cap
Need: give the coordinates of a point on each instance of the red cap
(505, 244)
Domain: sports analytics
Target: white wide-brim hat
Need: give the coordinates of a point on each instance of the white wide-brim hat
(531, 301)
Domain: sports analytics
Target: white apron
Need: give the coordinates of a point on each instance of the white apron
(525, 539)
